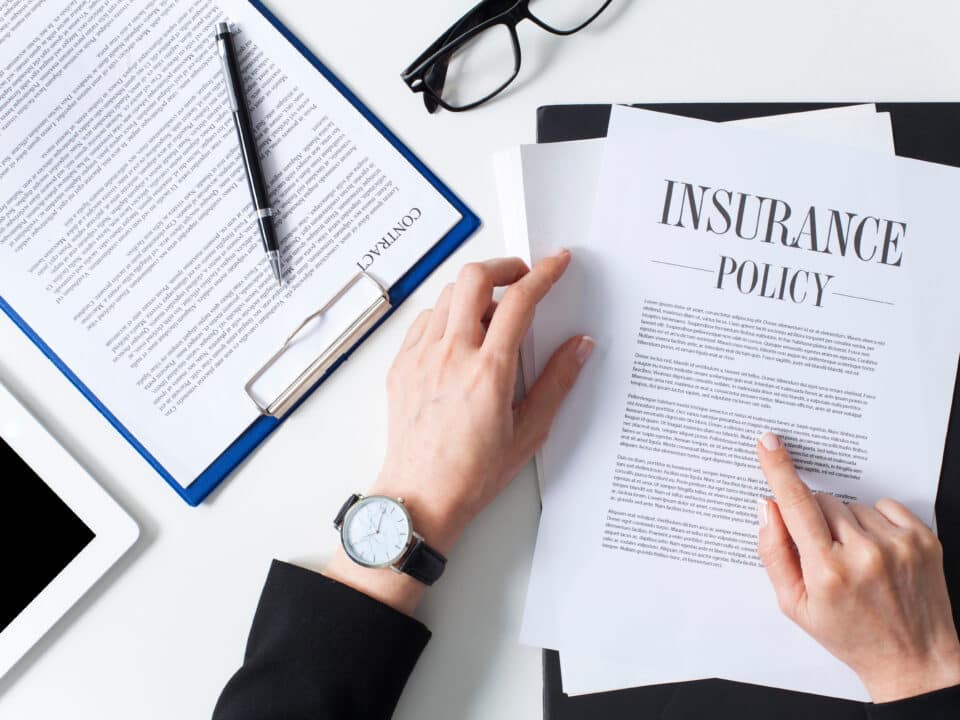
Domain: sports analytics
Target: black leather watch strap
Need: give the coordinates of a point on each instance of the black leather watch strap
(423, 563)
(341, 516)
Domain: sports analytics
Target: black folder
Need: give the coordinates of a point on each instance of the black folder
(923, 131)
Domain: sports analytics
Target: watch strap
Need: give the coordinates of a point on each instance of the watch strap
(341, 516)
(423, 563)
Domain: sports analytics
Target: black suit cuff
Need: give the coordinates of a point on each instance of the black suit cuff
(318, 648)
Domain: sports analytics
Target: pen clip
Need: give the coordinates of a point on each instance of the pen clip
(222, 33)
(225, 28)
(342, 344)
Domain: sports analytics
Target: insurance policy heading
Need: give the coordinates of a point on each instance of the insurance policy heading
(863, 238)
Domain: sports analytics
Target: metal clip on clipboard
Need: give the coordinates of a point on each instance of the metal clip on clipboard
(342, 344)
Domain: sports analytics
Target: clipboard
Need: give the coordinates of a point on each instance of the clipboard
(387, 300)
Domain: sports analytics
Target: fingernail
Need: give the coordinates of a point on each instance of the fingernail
(562, 253)
(770, 441)
(762, 517)
(584, 348)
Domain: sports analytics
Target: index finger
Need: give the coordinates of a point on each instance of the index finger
(474, 290)
(513, 316)
(800, 510)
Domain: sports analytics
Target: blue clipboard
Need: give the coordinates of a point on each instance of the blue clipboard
(251, 438)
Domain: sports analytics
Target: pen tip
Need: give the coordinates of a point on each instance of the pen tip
(275, 264)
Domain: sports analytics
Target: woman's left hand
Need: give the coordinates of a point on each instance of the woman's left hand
(455, 436)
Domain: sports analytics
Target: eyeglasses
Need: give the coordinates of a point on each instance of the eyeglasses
(480, 54)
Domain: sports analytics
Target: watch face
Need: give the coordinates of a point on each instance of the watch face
(376, 531)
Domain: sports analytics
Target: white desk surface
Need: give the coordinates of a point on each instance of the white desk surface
(159, 636)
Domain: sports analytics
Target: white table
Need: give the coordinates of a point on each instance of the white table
(163, 632)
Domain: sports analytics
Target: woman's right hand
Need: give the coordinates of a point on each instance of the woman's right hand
(866, 582)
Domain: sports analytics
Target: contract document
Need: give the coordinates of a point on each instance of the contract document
(742, 283)
(128, 242)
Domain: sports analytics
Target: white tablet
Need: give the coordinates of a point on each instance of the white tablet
(60, 531)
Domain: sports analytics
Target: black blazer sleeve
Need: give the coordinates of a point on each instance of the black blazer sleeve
(939, 705)
(319, 649)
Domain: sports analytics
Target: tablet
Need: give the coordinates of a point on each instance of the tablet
(60, 531)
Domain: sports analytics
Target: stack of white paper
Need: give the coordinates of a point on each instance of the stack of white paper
(789, 274)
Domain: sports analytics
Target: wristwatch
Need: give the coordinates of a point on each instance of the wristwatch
(376, 532)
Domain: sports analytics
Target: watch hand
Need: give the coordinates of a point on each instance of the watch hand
(380, 521)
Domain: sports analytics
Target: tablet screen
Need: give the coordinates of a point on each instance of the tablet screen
(40, 535)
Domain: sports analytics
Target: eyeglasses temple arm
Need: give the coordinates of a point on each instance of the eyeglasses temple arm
(477, 14)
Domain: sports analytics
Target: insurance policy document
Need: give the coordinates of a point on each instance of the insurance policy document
(128, 241)
(755, 284)
(547, 194)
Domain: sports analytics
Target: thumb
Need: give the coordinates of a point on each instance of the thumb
(782, 561)
(534, 415)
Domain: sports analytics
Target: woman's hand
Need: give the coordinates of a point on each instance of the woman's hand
(455, 437)
(866, 582)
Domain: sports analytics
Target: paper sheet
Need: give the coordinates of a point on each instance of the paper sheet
(546, 192)
(129, 243)
(599, 597)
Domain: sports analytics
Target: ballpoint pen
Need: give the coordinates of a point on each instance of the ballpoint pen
(248, 147)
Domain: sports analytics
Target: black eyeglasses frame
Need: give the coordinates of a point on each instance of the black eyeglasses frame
(483, 16)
